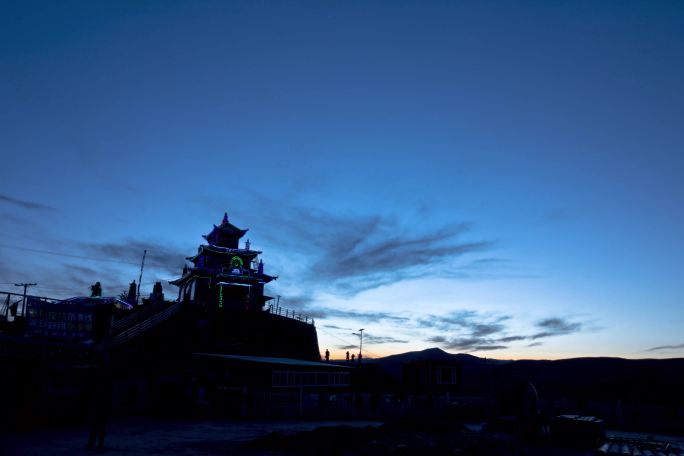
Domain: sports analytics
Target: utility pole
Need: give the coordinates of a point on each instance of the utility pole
(25, 285)
(142, 265)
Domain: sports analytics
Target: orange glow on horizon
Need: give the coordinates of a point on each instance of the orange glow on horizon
(340, 355)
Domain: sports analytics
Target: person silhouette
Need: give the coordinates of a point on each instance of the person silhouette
(100, 404)
(327, 356)
(347, 355)
(96, 290)
(100, 407)
(353, 356)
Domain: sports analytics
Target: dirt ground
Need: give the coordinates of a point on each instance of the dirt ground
(134, 437)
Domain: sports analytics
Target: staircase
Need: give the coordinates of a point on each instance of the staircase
(143, 320)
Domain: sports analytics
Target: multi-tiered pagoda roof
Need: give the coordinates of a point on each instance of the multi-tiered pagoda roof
(225, 235)
(222, 271)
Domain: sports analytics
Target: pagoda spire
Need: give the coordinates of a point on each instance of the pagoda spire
(225, 218)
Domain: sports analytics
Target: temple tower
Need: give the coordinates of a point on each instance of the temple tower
(223, 275)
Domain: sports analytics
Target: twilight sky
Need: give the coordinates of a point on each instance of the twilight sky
(498, 178)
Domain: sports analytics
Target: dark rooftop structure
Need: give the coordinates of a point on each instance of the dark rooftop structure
(218, 335)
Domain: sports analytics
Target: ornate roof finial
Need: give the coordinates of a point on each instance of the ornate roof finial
(247, 245)
(225, 218)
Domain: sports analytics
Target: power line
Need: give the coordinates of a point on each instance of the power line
(58, 288)
(82, 257)
(337, 337)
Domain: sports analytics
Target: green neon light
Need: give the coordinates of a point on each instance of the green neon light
(236, 262)
(221, 296)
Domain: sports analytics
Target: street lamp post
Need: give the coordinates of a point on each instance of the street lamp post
(360, 344)
(360, 334)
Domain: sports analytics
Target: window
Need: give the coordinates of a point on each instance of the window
(298, 379)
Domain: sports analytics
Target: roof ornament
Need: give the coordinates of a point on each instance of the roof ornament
(225, 218)
(247, 245)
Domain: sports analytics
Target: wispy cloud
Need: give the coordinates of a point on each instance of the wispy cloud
(337, 327)
(356, 315)
(366, 259)
(468, 330)
(299, 302)
(510, 339)
(437, 339)
(165, 258)
(477, 323)
(29, 205)
(473, 344)
(556, 327)
(349, 253)
(666, 347)
(79, 278)
(370, 338)
(114, 264)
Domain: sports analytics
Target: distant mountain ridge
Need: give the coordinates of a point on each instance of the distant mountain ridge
(648, 380)
(438, 353)
(393, 364)
(434, 353)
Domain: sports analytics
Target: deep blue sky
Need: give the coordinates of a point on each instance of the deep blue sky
(498, 178)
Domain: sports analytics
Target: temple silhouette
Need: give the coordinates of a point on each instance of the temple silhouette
(223, 294)
(225, 275)
(221, 336)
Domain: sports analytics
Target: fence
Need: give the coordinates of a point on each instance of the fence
(14, 305)
(290, 313)
(138, 316)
